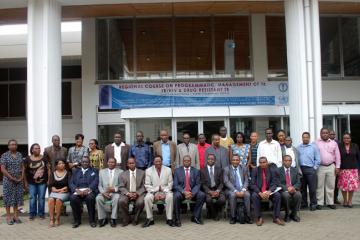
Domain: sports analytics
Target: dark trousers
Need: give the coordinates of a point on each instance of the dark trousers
(76, 203)
(291, 202)
(309, 179)
(215, 207)
(199, 198)
(234, 204)
(276, 200)
(124, 207)
(336, 191)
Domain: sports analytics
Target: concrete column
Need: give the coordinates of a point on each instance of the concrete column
(90, 91)
(304, 62)
(259, 47)
(44, 71)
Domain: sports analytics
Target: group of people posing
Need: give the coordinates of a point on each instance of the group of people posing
(174, 176)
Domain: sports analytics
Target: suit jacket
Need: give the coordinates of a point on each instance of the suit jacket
(294, 177)
(51, 155)
(104, 178)
(182, 150)
(125, 182)
(296, 153)
(222, 156)
(109, 153)
(206, 181)
(158, 151)
(272, 179)
(179, 180)
(229, 178)
(153, 181)
(88, 180)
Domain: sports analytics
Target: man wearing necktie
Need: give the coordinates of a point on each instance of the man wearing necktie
(84, 187)
(236, 184)
(108, 188)
(187, 186)
(264, 183)
(290, 184)
(132, 190)
(212, 185)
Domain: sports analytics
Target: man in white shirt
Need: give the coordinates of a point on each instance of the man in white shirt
(118, 150)
(270, 149)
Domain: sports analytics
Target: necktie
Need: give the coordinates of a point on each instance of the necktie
(158, 172)
(288, 180)
(237, 180)
(212, 177)
(111, 178)
(132, 183)
(264, 184)
(187, 180)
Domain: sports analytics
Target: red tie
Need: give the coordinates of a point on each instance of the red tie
(187, 180)
(288, 180)
(158, 172)
(264, 185)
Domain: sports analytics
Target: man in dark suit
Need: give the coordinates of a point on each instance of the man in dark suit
(236, 181)
(187, 186)
(118, 150)
(290, 184)
(132, 188)
(84, 187)
(221, 153)
(212, 185)
(265, 183)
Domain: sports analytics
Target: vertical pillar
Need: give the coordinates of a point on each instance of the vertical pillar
(259, 47)
(44, 71)
(90, 91)
(304, 67)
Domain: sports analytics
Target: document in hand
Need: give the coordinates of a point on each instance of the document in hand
(276, 190)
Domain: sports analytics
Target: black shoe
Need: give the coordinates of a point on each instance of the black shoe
(103, 222)
(312, 208)
(304, 207)
(113, 223)
(170, 222)
(93, 224)
(177, 223)
(332, 206)
(232, 220)
(295, 218)
(196, 220)
(148, 223)
(248, 220)
(318, 207)
(286, 218)
(135, 222)
(76, 225)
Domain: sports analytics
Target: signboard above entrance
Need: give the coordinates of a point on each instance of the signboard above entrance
(186, 94)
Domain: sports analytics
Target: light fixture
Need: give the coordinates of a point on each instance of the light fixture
(147, 59)
(198, 57)
(143, 32)
(202, 31)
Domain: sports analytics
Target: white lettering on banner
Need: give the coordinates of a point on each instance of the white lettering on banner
(214, 93)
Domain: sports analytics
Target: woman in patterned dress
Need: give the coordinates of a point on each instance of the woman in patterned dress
(348, 178)
(12, 168)
(241, 149)
(96, 155)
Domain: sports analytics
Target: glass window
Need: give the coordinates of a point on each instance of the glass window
(330, 46)
(154, 47)
(328, 122)
(151, 128)
(276, 46)
(16, 74)
(17, 100)
(4, 74)
(244, 125)
(193, 47)
(68, 72)
(66, 98)
(232, 46)
(188, 127)
(351, 45)
(4, 101)
(114, 49)
(355, 128)
(106, 134)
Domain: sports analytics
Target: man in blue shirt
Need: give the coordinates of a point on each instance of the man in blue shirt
(309, 159)
(141, 152)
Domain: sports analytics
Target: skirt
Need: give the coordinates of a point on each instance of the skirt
(348, 180)
(62, 196)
